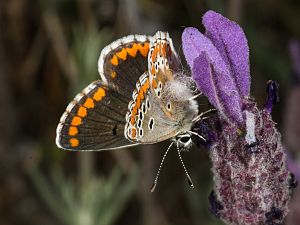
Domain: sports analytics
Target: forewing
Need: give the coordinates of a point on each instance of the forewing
(163, 67)
(163, 61)
(122, 62)
(160, 107)
(94, 120)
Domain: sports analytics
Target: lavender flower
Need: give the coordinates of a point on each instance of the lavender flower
(292, 127)
(249, 163)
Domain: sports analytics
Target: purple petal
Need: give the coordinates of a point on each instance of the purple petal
(213, 84)
(202, 74)
(211, 74)
(272, 95)
(230, 40)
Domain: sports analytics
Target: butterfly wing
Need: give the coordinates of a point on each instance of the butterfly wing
(163, 62)
(161, 106)
(146, 119)
(94, 120)
(164, 70)
(122, 62)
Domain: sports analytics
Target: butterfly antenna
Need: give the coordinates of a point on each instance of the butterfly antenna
(185, 170)
(200, 116)
(159, 169)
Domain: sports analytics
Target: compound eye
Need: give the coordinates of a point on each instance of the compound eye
(185, 139)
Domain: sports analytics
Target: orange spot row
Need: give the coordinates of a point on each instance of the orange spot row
(82, 112)
(138, 102)
(154, 84)
(89, 103)
(133, 132)
(144, 49)
(160, 49)
(113, 75)
(114, 60)
(141, 95)
(73, 131)
(153, 70)
(76, 121)
(154, 53)
(74, 142)
(122, 54)
(164, 49)
(132, 51)
(146, 86)
(99, 94)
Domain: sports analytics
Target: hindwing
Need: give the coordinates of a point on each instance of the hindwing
(94, 120)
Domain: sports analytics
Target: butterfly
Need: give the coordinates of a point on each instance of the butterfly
(142, 97)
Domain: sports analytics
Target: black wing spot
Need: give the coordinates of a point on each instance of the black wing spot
(160, 85)
(151, 123)
(144, 108)
(139, 123)
(141, 132)
(114, 130)
(141, 113)
(148, 103)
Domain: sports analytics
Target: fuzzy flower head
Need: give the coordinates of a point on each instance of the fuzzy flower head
(252, 183)
(219, 60)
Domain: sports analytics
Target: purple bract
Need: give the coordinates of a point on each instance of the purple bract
(219, 61)
(251, 182)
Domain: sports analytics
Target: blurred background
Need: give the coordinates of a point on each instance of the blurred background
(49, 51)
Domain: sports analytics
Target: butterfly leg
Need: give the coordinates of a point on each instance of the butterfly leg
(196, 96)
(205, 118)
(198, 135)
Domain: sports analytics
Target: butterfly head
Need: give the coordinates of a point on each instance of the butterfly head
(183, 141)
(178, 100)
